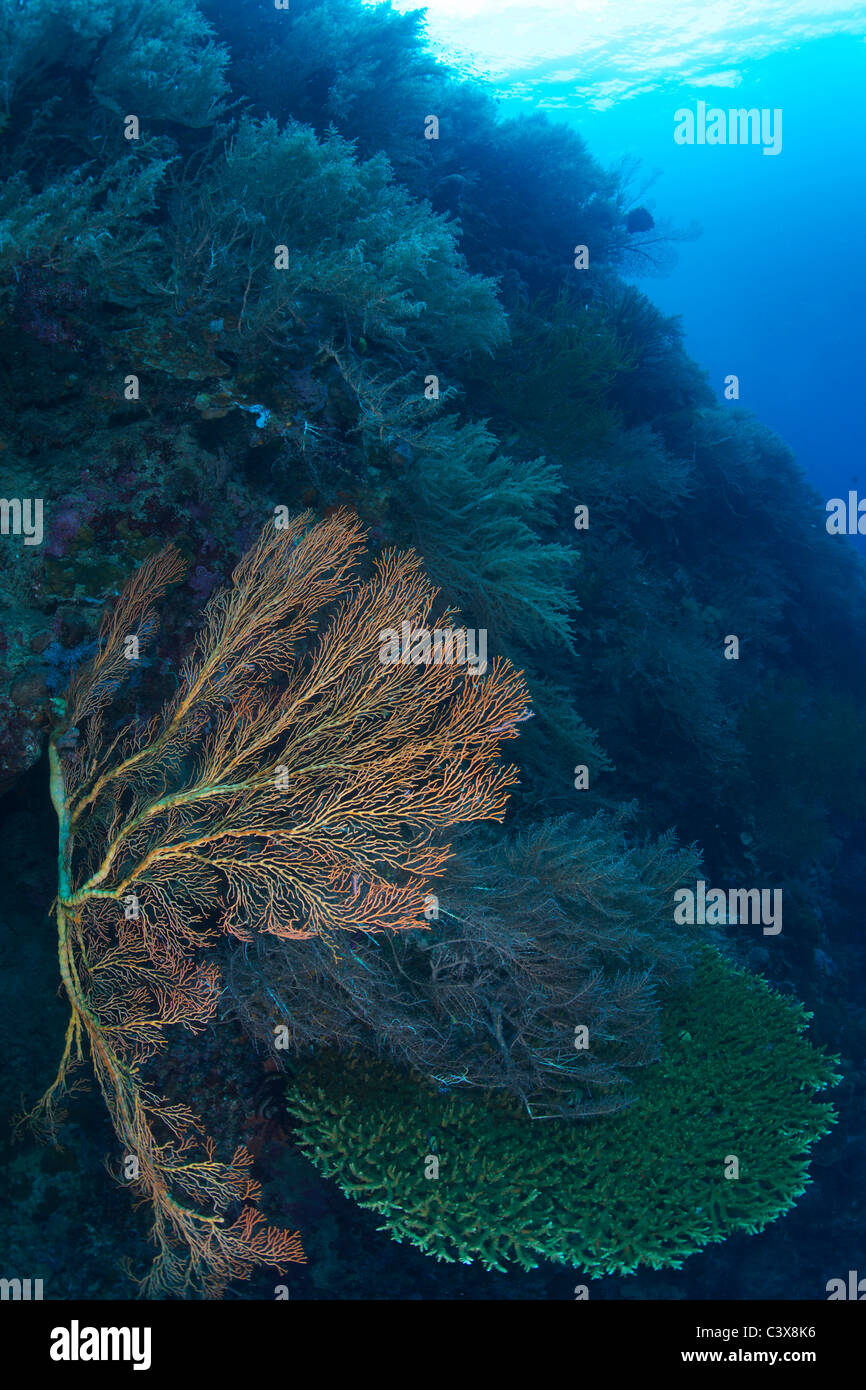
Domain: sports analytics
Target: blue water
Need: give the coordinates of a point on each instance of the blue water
(773, 287)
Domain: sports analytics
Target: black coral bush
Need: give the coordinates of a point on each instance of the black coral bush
(561, 928)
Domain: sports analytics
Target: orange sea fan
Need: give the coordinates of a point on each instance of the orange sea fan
(296, 783)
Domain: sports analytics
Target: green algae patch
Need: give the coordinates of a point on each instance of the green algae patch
(734, 1093)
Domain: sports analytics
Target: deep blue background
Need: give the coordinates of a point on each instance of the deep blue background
(774, 289)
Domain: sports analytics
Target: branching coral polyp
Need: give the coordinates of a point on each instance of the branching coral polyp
(294, 785)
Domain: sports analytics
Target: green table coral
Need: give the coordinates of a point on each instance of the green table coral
(647, 1186)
